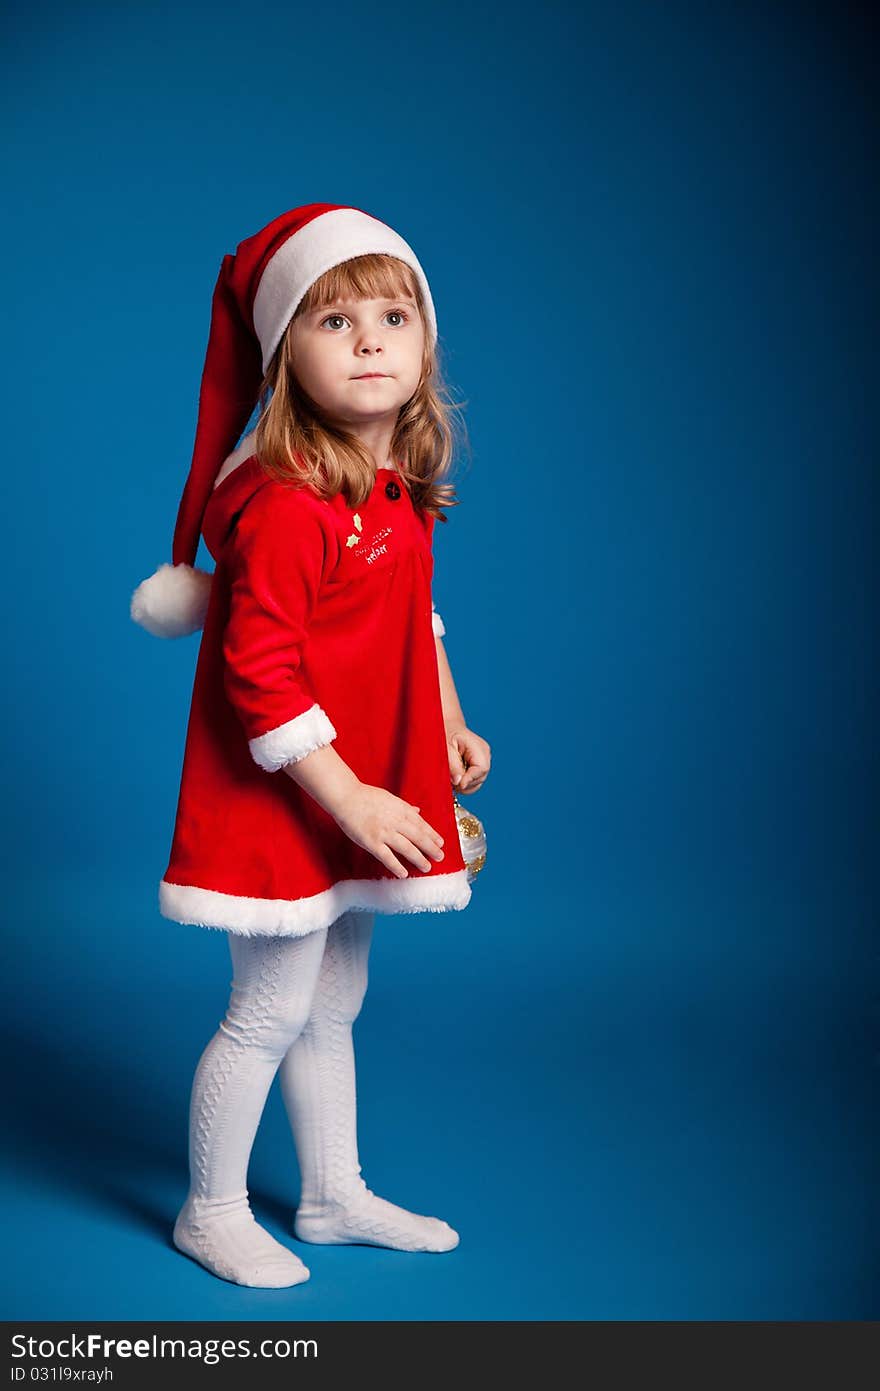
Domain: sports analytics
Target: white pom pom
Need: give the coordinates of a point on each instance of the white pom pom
(172, 602)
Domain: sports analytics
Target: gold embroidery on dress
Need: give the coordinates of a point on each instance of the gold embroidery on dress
(372, 548)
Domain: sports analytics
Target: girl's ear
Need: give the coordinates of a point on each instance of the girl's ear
(173, 602)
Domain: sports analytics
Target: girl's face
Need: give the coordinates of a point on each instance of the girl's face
(359, 360)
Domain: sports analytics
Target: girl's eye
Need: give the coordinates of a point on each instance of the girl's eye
(337, 321)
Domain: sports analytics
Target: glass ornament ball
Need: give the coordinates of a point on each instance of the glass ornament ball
(472, 839)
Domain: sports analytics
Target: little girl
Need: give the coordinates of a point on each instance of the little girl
(325, 733)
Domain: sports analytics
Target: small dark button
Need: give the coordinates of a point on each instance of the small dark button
(392, 490)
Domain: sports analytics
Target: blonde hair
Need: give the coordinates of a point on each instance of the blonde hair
(294, 443)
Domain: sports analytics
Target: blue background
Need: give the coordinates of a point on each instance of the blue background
(638, 1073)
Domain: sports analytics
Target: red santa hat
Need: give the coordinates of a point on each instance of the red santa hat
(257, 294)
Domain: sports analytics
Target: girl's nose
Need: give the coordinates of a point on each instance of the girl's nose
(369, 342)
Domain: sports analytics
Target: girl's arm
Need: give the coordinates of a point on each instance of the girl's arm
(469, 756)
(327, 778)
(452, 712)
(372, 817)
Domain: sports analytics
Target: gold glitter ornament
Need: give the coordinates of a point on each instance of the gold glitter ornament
(472, 838)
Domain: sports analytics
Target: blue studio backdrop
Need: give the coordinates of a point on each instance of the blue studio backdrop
(636, 1073)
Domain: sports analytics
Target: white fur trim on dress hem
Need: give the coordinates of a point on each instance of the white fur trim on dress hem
(437, 623)
(280, 917)
(292, 741)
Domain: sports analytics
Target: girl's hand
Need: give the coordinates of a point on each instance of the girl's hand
(380, 822)
(469, 758)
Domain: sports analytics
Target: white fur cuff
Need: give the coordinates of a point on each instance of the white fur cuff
(292, 741)
(437, 623)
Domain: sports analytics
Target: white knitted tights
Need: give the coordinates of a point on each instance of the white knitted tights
(293, 1003)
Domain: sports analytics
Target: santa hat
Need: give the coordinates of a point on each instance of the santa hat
(257, 294)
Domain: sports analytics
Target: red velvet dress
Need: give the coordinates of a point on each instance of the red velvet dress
(319, 629)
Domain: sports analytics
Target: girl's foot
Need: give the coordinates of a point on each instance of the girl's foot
(364, 1219)
(224, 1237)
